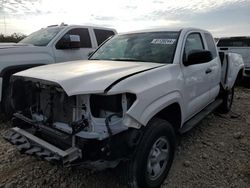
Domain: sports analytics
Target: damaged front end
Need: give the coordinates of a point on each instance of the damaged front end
(88, 130)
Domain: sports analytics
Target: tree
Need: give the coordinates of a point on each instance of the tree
(15, 37)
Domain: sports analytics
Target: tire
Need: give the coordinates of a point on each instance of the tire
(153, 156)
(227, 97)
(7, 103)
(240, 79)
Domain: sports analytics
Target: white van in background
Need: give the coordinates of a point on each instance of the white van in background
(240, 45)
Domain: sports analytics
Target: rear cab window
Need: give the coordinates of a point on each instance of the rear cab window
(101, 35)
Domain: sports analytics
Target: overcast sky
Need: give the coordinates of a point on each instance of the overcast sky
(221, 17)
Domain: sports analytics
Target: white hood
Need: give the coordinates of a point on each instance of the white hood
(12, 54)
(85, 77)
(12, 45)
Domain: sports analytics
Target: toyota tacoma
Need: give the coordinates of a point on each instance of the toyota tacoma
(125, 105)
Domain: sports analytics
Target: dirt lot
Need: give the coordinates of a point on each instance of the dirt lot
(214, 154)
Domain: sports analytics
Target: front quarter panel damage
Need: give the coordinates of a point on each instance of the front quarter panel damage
(87, 127)
(99, 124)
(153, 91)
(47, 103)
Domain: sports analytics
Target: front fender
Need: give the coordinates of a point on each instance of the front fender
(154, 107)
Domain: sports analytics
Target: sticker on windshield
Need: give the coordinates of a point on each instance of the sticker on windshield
(163, 41)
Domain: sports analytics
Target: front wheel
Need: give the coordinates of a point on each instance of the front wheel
(227, 98)
(153, 157)
(7, 103)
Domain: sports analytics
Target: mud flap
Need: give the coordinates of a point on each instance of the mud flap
(29, 144)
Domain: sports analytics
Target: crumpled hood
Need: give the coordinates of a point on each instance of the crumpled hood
(85, 77)
(12, 45)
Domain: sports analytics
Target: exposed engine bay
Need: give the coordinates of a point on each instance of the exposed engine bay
(71, 123)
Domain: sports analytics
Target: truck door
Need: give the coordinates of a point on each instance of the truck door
(86, 46)
(196, 79)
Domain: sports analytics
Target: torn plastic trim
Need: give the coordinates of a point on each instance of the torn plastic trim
(131, 122)
(99, 131)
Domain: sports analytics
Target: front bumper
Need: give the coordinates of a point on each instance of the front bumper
(68, 149)
(33, 145)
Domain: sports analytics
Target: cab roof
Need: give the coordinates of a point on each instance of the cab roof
(162, 29)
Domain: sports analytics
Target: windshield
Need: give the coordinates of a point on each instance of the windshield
(41, 37)
(158, 47)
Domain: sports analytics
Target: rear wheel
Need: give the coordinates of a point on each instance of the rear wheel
(227, 101)
(153, 157)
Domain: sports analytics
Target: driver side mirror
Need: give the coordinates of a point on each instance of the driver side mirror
(197, 57)
(69, 42)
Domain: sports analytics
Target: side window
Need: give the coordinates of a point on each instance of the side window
(193, 42)
(210, 44)
(85, 41)
(102, 35)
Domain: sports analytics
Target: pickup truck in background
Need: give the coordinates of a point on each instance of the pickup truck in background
(240, 45)
(125, 105)
(49, 45)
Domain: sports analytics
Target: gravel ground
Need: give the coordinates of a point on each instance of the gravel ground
(214, 154)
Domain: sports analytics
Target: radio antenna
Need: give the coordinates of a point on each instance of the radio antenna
(4, 22)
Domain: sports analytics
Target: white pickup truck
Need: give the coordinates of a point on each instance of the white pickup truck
(49, 45)
(124, 106)
(240, 45)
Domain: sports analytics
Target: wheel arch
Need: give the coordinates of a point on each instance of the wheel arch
(170, 111)
(239, 77)
(172, 114)
(171, 101)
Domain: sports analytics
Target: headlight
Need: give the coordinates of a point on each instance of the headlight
(103, 105)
